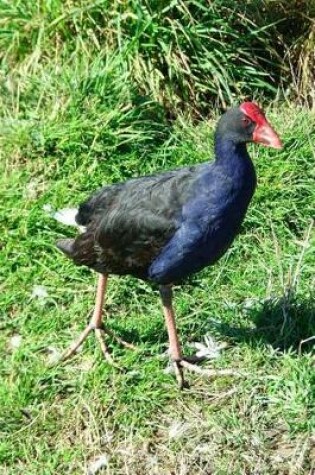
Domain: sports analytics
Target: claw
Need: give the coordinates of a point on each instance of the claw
(179, 374)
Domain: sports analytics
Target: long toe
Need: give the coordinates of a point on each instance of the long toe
(99, 333)
(207, 372)
(119, 340)
(75, 345)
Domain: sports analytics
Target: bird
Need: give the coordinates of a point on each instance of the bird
(161, 228)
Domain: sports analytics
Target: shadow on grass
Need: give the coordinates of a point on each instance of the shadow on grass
(154, 335)
(286, 323)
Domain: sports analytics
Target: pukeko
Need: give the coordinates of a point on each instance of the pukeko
(164, 227)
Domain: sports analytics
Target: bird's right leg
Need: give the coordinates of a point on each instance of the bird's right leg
(175, 347)
(180, 363)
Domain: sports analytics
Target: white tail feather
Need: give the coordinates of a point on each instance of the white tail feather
(66, 216)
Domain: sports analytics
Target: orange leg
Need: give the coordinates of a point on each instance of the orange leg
(175, 348)
(96, 325)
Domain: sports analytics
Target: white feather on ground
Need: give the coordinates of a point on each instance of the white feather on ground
(15, 342)
(210, 349)
(97, 464)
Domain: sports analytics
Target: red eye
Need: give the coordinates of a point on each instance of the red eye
(245, 121)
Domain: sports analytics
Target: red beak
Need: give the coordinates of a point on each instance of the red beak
(266, 135)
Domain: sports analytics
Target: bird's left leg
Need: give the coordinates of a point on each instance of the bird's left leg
(96, 325)
(175, 348)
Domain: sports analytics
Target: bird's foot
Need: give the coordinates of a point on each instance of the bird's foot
(187, 364)
(100, 333)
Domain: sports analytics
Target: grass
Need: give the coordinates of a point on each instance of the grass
(259, 300)
(187, 55)
(182, 54)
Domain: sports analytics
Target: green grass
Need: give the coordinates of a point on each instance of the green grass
(185, 54)
(259, 300)
(182, 53)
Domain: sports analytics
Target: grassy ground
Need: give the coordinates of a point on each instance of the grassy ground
(259, 300)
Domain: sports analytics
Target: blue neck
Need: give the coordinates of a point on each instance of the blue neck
(227, 150)
(233, 158)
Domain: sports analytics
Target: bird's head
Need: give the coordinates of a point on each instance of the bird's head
(248, 123)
